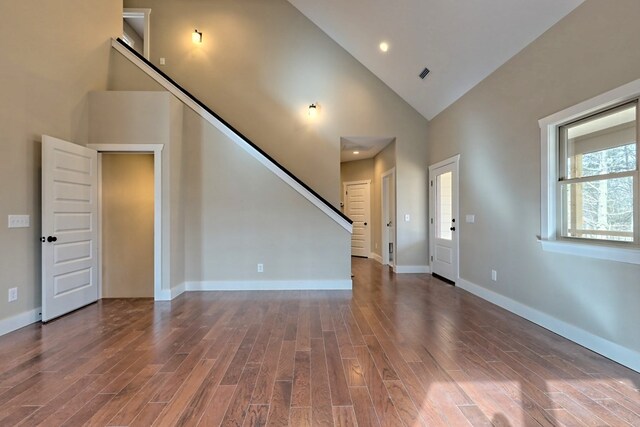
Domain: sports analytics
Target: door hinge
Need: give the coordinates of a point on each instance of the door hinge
(432, 183)
(431, 220)
(431, 257)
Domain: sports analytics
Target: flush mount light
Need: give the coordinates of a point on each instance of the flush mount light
(313, 109)
(384, 46)
(356, 152)
(196, 36)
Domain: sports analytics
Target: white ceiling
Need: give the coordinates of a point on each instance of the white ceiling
(366, 147)
(460, 41)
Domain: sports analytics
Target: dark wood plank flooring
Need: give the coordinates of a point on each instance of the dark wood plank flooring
(399, 350)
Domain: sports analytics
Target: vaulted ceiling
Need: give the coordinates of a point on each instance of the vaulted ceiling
(460, 41)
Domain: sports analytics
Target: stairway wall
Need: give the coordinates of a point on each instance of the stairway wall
(223, 211)
(261, 64)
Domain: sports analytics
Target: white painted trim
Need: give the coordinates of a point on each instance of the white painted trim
(21, 320)
(232, 136)
(456, 212)
(156, 149)
(376, 257)
(393, 213)
(626, 255)
(403, 269)
(269, 285)
(143, 13)
(364, 181)
(613, 351)
(549, 176)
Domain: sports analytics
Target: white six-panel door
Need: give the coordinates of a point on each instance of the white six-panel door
(69, 227)
(357, 207)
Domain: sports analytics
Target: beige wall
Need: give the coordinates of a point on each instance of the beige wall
(495, 129)
(239, 214)
(53, 53)
(127, 225)
(261, 64)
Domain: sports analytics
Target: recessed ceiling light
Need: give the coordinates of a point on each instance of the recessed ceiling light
(384, 46)
(356, 152)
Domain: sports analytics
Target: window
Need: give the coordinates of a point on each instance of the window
(598, 176)
(590, 190)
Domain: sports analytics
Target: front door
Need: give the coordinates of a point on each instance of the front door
(444, 225)
(69, 227)
(357, 208)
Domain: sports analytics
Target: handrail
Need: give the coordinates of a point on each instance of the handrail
(173, 87)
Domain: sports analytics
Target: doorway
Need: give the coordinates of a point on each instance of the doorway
(127, 225)
(388, 232)
(136, 30)
(357, 200)
(156, 151)
(444, 224)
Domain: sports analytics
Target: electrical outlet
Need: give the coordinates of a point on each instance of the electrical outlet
(13, 294)
(494, 275)
(260, 268)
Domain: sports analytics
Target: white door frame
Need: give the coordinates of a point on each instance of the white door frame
(141, 13)
(456, 212)
(384, 250)
(346, 206)
(156, 150)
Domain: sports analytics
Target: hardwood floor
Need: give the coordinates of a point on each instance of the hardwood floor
(398, 350)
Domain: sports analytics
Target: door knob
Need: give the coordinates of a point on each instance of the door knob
(452, 229)
(365, 223)
(51, 239)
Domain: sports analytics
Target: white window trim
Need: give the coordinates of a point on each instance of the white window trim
(549, 177)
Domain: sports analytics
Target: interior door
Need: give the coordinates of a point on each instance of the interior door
(388, 220)
(444, 226)
(69, 227)
(357, 203)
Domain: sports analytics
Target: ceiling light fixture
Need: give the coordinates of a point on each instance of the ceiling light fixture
(196, 36)
(384, 46)
(313, 109)
(356, 152)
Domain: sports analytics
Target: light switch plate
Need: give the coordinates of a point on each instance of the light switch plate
(19, 221)
(407, 217)
(471, 219)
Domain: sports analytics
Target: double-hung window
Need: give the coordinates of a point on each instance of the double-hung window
(590, 202)
(598, 176)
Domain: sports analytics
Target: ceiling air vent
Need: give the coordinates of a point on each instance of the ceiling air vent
(424, 73)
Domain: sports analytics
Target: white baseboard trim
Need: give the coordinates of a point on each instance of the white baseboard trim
(375, 257)
(169, 294)
(412, 269)
(269, 285)
(18, 321)
(613, 351)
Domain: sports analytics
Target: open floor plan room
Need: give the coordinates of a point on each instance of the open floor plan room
(397, 350)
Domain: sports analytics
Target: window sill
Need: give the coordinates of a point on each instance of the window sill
(626, 255)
